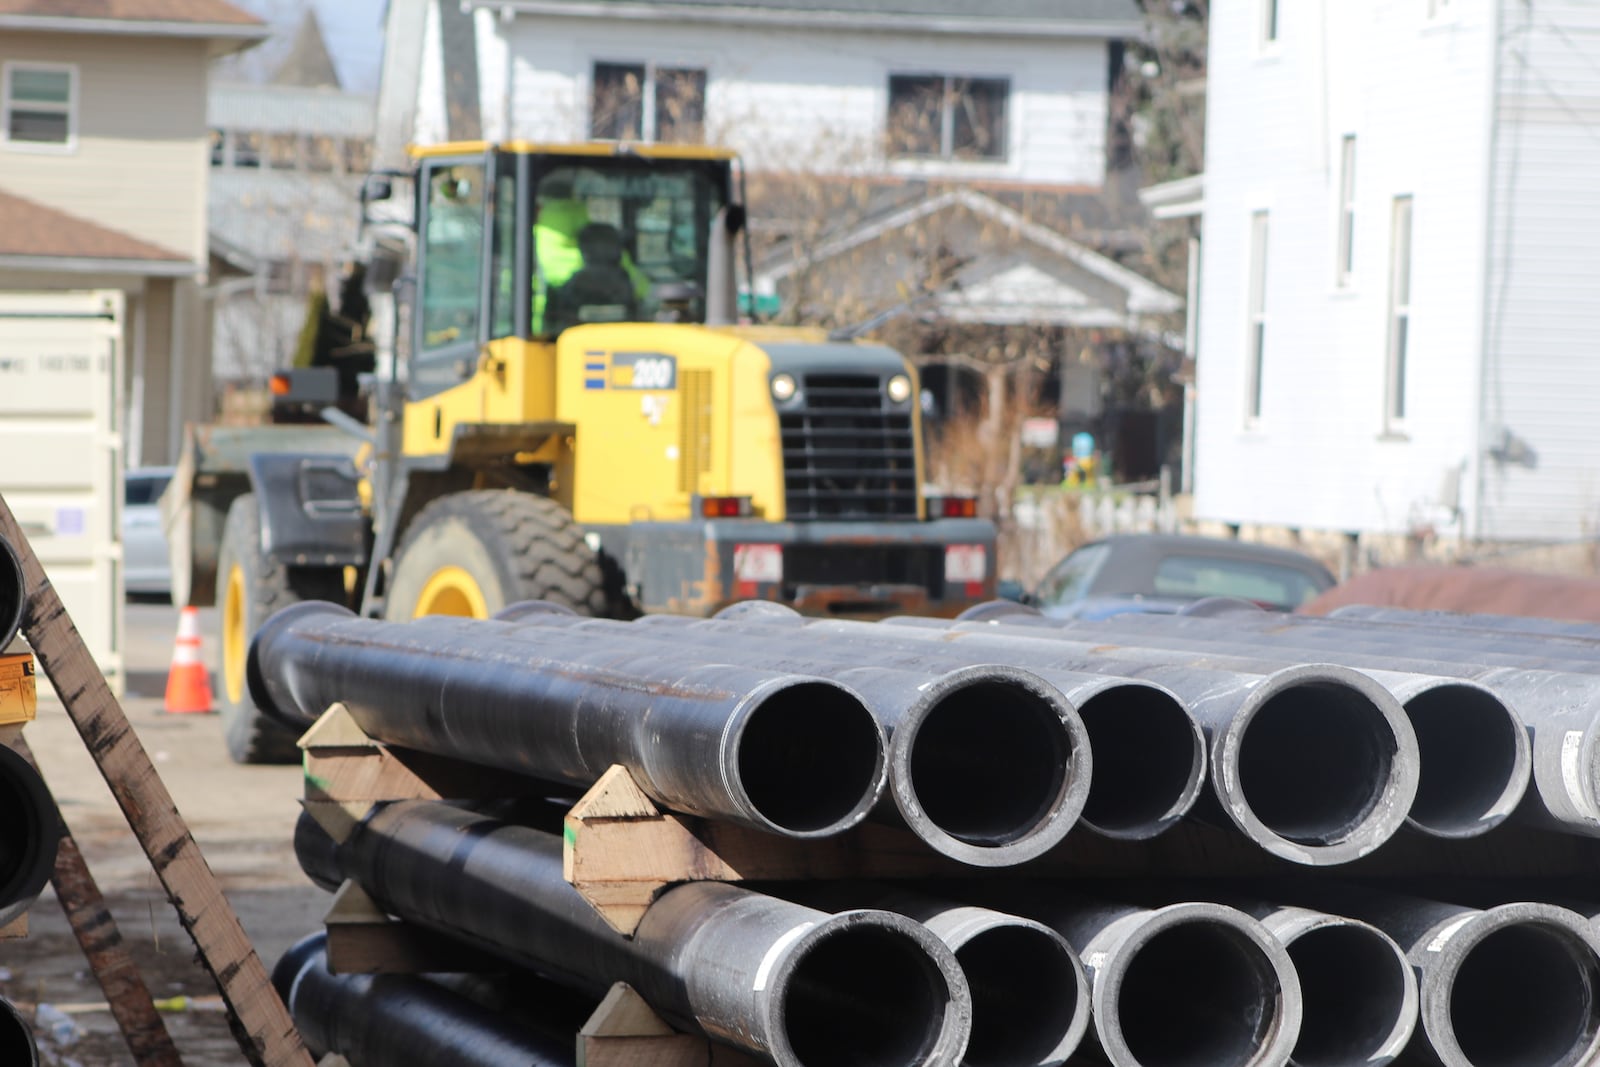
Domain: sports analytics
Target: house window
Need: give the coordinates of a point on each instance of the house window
(1347, 211)
(1399, 310)
(639, 101)
(1269, 21)
(357, 155)
(942, 117)
(283, 151)
(219, 148)
(40, 102)
(247, 148)
(320, 153)
(1255, 357)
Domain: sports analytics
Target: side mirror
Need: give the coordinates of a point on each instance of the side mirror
(376, 187)
(735, 219)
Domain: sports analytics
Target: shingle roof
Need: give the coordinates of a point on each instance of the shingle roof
(1033, 11)
(28, 228)
(199, 11)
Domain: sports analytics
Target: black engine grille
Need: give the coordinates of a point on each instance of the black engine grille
(846, 454)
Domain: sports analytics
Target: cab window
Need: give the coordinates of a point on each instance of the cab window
(452, 256)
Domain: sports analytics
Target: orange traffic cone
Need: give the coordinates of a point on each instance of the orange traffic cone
(188, 683)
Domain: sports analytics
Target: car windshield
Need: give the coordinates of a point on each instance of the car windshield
(1194, 577)
(623, 243)
(1071, 577)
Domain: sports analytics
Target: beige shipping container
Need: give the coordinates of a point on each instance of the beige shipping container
(61, 451)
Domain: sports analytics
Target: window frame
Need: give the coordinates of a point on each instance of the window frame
(70, 109)
(1269, 28)
(1344, 261)
(1256, 317)
(946, 152)
(1397, 343)
(649, 118)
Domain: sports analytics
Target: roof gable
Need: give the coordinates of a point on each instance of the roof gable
(31, 229)
(195, 11)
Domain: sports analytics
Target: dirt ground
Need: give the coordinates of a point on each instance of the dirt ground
(242, 817)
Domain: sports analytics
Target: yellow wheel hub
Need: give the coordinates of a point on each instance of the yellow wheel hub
(235, 645)
(451, 591)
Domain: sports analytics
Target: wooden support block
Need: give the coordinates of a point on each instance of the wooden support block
(344, 765)
(624, 1031)
(16, 929)
(362, 939)
(19, 694)
(619, 851)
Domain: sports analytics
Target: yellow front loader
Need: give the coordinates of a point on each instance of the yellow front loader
(579, 416)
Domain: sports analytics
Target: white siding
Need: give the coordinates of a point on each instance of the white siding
(142, 153)
(793, 99)
(1542, 374)
(1414, 92)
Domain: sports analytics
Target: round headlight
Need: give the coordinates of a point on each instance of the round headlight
(783, 387)
(899, 388)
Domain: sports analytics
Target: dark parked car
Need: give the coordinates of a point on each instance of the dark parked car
(1163, 572)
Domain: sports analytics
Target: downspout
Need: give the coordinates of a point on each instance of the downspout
(1473, 526)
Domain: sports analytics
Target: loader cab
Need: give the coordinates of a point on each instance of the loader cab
(524, 241)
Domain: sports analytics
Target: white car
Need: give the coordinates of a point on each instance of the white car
(146, 571)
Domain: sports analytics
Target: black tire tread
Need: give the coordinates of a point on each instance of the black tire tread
(542, 548)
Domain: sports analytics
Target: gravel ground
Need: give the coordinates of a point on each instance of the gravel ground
(242, 817)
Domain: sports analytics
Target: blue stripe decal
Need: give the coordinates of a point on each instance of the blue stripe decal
(594, 383)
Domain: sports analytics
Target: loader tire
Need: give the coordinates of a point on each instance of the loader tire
(473, 553)
(250, 587)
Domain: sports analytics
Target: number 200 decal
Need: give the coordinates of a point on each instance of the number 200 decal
(643, 370)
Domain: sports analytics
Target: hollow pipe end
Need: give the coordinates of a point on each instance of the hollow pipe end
(1043, 806)
(760, 611)
(13, 593)
(930, 977)
(775, 744)
(1338, 837)
(1134, 728)
(32, 834)
(1450, 947)
(1270, 962)
(996, 610)
(1487, 766)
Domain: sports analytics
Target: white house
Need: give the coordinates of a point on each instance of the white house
(1398, 314)
(1015, 92)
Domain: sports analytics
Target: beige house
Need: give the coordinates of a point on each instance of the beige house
(104, 164)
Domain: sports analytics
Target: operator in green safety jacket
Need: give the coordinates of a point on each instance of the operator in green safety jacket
(557, 256)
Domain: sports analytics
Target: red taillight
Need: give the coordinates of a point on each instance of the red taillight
(953, 507)
(725, 507)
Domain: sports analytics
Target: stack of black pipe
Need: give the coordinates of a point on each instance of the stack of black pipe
(1221, 838)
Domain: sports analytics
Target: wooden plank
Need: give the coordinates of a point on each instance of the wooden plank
(362, 939)
(263, 1029)
(624, 1031)
(100, 940)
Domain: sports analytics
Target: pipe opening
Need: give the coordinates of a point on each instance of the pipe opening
(1354, 985)
(989, 762)
(1314, 761)
(810, 758)
(864, 996)
(17, 1047)
(1524, 996)
(1147, 760)
(13, 593)
(1198, 994)
(29, 832)
(1024, 997)
(1468, 743)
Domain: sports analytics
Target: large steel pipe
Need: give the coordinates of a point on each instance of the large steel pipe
(29, 834)
(1359, 991)
(1516, 985)
(13, 594)
(1030, 993)
(399, 1019)
(1476, 757)
(793, 755)
(17, 1045)
(1148, 752)
(1184, 985)
(989, 765)
(1559, 709)
(1317, 764)
(1516, 627)
(801, 987)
